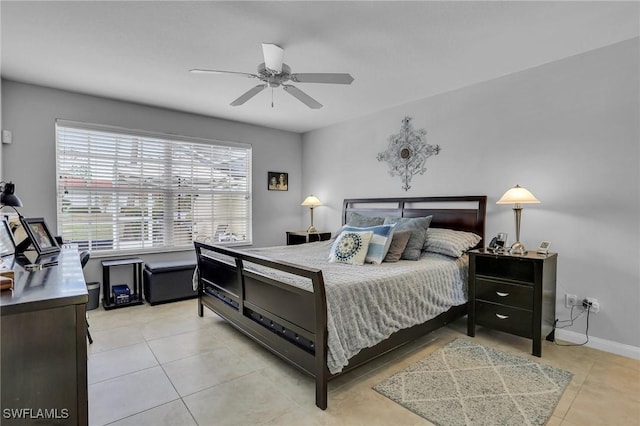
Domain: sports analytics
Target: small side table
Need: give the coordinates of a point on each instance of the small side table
(515, 294)
(302, 237)
(135, 297)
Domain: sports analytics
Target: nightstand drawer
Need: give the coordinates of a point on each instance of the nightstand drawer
(511, 268)
(505, 318)
(517, 296)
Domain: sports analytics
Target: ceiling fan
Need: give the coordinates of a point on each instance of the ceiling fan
(275, 73)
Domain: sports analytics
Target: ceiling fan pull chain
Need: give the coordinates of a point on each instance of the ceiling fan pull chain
(272, 97)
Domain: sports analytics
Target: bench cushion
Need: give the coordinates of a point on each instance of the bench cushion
(171, 265)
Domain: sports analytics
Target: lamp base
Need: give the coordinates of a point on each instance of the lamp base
(517, 248)
(312, 230)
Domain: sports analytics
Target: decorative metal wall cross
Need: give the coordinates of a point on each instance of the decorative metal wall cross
(407, 152)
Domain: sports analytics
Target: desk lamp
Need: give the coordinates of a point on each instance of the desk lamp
(8, 196)
(517, 196)
(311, 201)
(10, 199)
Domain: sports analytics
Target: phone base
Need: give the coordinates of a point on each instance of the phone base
(517, 248)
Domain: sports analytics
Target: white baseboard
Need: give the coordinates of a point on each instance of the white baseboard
(601, 344)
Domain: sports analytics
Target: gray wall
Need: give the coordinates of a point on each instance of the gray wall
(567, 131)
(30, 113)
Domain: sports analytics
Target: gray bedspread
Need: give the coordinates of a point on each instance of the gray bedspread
(367, 303)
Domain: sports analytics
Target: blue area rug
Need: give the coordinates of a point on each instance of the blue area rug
(465, 383)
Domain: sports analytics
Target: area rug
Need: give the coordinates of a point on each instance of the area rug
(464, 383)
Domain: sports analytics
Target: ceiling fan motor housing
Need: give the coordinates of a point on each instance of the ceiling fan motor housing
(272, 78)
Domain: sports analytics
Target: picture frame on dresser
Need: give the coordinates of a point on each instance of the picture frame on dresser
(7, 242)
(41, 237)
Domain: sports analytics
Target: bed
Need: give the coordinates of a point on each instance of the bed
(289, 306)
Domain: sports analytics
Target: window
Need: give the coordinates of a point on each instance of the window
(127, 190)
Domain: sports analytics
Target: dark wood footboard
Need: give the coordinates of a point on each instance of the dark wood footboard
(289, 321)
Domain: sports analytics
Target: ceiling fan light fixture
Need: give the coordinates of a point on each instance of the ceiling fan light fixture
(273, 57)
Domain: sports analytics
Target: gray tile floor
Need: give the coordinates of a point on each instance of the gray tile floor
(164, 365)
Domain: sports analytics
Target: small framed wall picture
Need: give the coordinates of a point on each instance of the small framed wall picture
(41, 237)
(278, 181)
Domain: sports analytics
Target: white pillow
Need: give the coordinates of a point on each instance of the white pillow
(350, 247)
(380, 241)
(449, 242)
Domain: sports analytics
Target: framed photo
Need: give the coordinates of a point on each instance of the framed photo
(41, 237)
(278, 181)
(7, 243)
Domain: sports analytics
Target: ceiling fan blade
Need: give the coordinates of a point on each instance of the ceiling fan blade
(301, 96)
(204, 71)
(328, 78)
(273, 57)
(249, 94)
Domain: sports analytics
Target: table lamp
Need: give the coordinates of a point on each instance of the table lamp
(311, 201)
(8, 196)
(517, 196)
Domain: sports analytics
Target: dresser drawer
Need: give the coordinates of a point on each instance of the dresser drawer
(505, 318)
(518, 296)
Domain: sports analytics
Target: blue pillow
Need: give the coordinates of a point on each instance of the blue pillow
(380, 241)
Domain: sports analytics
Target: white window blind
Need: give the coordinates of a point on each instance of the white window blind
(127, 190)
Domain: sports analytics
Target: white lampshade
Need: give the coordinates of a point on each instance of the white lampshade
(517, 195)
(311, 201)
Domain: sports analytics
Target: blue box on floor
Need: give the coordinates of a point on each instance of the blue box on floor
(121, 294)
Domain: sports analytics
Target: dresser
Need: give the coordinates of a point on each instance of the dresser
(513, 293)
(44, 347)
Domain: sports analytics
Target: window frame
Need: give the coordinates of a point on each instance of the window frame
(174, 191)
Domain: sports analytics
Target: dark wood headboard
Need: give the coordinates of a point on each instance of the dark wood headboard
(463, 213)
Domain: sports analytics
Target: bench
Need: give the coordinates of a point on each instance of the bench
(169, 281)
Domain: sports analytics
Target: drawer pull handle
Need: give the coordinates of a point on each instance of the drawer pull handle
(502, 294)
(502, 316)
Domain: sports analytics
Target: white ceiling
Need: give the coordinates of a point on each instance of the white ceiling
(396, 51)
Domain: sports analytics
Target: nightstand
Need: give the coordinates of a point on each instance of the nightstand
(515, 294)
(301, 237)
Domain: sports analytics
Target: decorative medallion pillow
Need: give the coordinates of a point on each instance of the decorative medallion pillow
(417, 226)
(350, 247)
(380, 241)
(450, 242)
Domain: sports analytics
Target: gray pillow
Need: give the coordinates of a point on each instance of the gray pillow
(362, 221)
(398, 244)
(417, 226)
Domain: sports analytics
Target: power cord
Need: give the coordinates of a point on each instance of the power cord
(570, 321)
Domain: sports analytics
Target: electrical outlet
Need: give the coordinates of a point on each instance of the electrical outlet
(592, 304)
(570, 300)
